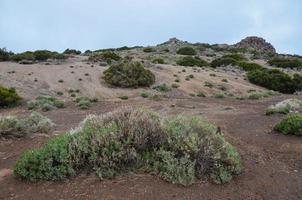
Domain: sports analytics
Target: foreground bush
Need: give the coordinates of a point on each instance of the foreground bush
(128, 74)
(276, 80)
(192, 61)
(8, 97)
(188, 51)
(12, 126)
(180, 149)
(290, 125)
(45, 103)
(285, 107)
(285, 63)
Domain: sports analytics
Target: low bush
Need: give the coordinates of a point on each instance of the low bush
(162, 88)
(148, 50)
(285, 63)
(158, 61)
(45, 103)
(180, 150)
(39, 55)
(72, 51)
(290, 125)
(188, 51)
(229, 59)
(249, 66)
(11, 126)
(129, 74)
(83, 102)
(105, 56)
(28, 55)
(124, 97)
(192, 61)
(8, 97)
(4, 54)
(257, 95)
(276, 80)
(219, 95)
(285, 107)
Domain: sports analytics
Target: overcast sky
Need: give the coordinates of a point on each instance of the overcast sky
(94, 24)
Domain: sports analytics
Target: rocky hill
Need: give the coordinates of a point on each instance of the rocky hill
(256, 43)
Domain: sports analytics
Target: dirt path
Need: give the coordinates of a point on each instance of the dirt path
(272, 162)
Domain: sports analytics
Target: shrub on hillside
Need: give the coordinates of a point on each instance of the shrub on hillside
(72, 51)
(249, 66)
(158, 61)
(11, 126)
(28, 55)
(188, 51)
(45, 103)
(128, 74)
(276, 80)
(285, 63)
(148, 50)
(180, 149)
(8, 97)
(107, 56)
(290, 125)
(39, 55)
(229, 59)
(42, 55)
(192, 61)
(83, 102)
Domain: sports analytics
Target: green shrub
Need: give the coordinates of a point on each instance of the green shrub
(162, 88)
(4, 54)
(208, 84)
(256, 95)
(128, 74)
(191, 61)
(276, 80)
(180, 149)
(219, 95)
(285, 107)
(28, 55)
(249, 66)
(144, 95)
(42, 55)
(148, 50)
(107, 56)
(285, 63)
(124, 97)
(229, 59)
(83, 102)
(290, 125)
(201, 94)
(175, 85)
(45, 103)
(72, 51)
(188, 51)
(8, 97)
(158, 61)
(11, 126)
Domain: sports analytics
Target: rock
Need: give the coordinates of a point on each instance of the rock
(256, 43)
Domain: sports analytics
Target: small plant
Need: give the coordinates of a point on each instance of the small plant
(189, 51)
(174, 85)
(200, 94)
(219, 95)
(224, 80)
(128, 74)
(144, 95)
(83, 102)
(158, 61)
(61, 81)
(8, 97)
(11, 126)
(177, 80)
(290, 125)
(162, 88)
(124, 97)
(191, 76)
(213, 75)
(59, 93)
(208, 84)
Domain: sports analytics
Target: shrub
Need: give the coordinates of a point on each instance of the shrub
(162, 88)
(188, 51)
(45, 103)
(42, 55)
(128, 74)
(148, 50)
(208, 84)
(175, 85)
(4, 54)
(72, 51)
(180, 149)
(249, 66)
(144, 95)
(83, 102)
(256, 95)
(12, 126)
(201, 94)
(285, 63)
(124, 97)
(105, 56)
(8, 97)
(158, 61)
(285, 107)
(276, 80)
(290, 125)
(229, 59)
(191, 61)
(28, 55)
(219, 95)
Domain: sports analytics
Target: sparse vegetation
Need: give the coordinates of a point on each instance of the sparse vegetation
(12, 126)
(105, 56)
(124, 97)
(72, 52)
(83, 102)
(229, 59)
(285, 107)
(148, 50)
(162, 88)
(158, 61)
(128, 74)
(285, 63)
(290, 125)
(180, 150)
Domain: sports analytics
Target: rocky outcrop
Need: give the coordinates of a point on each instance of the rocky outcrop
(256, 43)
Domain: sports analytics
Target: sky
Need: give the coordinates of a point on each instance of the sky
(94, 24)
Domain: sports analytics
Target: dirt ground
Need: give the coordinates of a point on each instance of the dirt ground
(272, 162)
